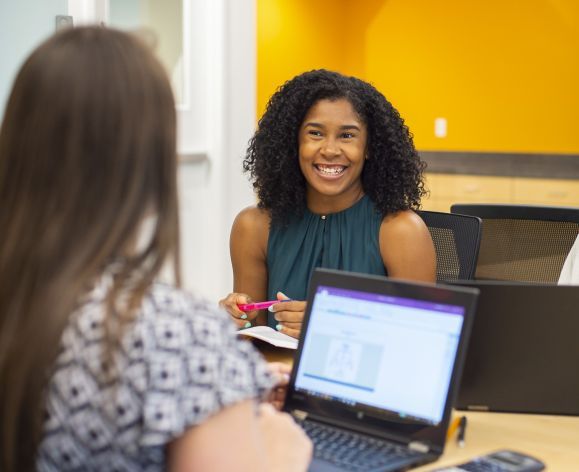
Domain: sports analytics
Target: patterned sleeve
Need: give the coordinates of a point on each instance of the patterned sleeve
(196, 365)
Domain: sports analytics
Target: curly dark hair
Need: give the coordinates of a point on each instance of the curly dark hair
(392, 174)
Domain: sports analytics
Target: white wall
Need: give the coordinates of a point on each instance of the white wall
(23, 25)
(215, 126)
(213, 191)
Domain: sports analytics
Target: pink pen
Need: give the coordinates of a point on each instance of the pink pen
(259, 305)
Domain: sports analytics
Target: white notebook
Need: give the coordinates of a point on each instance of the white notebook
(269, 335)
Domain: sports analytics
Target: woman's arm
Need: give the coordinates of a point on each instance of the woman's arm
(248, 247)
(226, 441)
(237, 439)
(407, 248)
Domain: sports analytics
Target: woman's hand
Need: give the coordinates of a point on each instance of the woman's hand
(287, 447)
(281, 372)
(289, 315)
(230, 304)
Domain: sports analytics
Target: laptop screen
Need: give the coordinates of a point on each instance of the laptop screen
(389, 353)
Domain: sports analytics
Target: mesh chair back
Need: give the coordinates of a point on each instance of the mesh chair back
(456, 240)
(521, 242)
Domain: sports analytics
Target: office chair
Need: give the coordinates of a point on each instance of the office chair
(522, 242)
(456, 240)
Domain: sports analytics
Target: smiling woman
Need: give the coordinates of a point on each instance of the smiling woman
(338, 178)
(332, 144)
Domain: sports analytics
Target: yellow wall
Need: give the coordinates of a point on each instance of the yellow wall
(295, 36)
(504, 73)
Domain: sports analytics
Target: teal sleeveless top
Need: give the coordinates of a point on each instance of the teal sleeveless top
(346, 240)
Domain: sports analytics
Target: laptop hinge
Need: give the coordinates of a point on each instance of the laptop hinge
(299, 414)
(418, 446)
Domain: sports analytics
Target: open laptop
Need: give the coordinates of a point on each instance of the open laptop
(523, 354)
(376, 369)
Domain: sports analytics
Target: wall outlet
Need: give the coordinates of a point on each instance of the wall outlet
(440, 127)
(62, 22)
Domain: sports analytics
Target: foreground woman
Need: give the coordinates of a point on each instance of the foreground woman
(101, 368)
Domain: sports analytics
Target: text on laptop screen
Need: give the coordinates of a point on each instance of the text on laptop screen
(391, 353)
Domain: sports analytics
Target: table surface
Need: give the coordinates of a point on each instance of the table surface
(551, 439)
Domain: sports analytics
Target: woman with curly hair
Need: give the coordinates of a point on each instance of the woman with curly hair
(337, 177)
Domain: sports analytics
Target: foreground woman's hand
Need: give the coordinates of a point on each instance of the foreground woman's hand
(285, 443)
(289, 315)
(281, 372)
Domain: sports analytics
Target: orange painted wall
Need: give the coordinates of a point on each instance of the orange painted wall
(504, 73)
(294, 36)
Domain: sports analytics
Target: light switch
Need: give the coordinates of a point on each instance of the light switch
(440, 127)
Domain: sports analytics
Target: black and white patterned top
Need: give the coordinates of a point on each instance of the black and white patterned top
(180, 362)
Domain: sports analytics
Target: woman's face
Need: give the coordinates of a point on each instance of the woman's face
(332, 147)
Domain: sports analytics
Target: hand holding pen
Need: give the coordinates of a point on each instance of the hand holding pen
(231, 303)
(288, 315)
(244, 311)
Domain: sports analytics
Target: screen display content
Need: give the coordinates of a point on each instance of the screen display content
(397, 356)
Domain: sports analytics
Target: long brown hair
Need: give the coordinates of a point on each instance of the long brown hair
(87, 151)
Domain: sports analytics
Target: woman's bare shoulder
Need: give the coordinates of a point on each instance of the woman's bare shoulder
(406, 247)
(403, 222)
(252, 219)
(251, 229)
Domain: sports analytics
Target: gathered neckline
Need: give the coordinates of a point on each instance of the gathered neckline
(324, 215)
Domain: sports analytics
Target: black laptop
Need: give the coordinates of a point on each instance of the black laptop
(523, 355)
(377, 368)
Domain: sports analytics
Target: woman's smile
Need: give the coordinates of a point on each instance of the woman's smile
(332, 149)
(330, 171)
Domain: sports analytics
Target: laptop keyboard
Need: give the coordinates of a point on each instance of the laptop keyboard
(353, 451)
